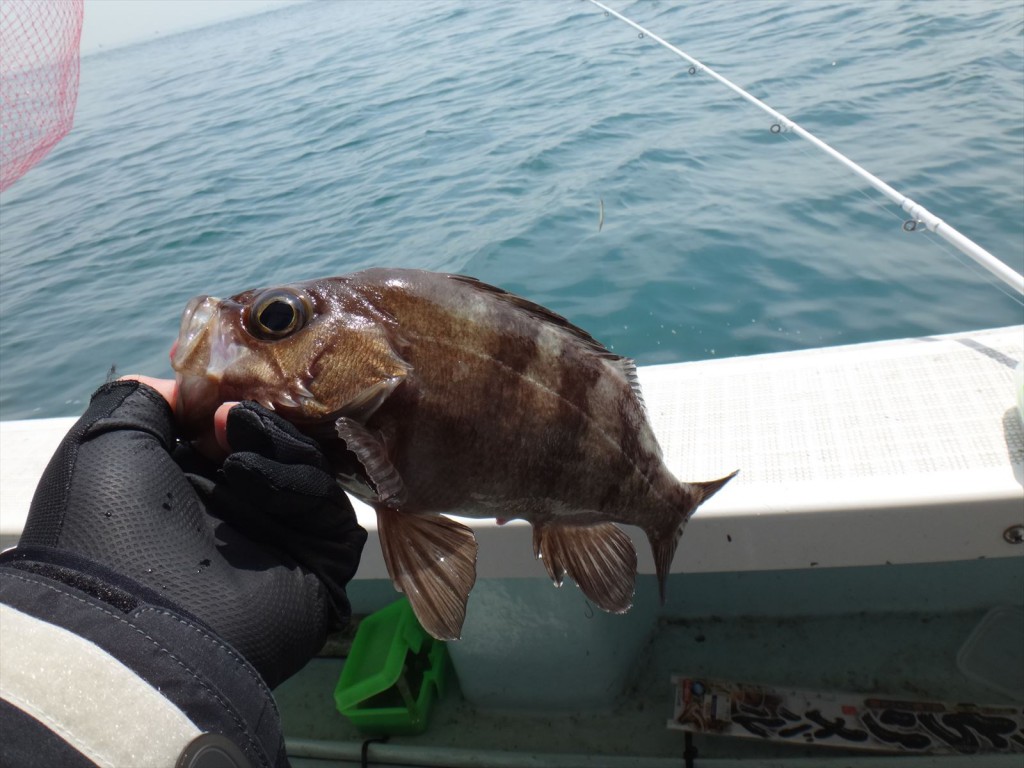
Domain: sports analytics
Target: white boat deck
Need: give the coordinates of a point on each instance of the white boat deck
(906, 451)
(892, 452)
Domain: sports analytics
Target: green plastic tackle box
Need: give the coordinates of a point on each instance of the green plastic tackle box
(393, 674)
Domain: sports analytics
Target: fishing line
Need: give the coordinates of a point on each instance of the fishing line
(908, 226)
(969, 264)
(919, 215)
(974, 268)
(833, 172)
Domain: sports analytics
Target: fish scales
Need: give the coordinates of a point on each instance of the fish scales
(454, 397)
(561, 412)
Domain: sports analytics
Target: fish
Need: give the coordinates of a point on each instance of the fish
(437, 394)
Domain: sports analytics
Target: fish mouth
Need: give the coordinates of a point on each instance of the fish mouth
(206, 345)
(205, 350)
(194, 322)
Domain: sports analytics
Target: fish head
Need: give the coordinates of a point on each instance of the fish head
(311, 351)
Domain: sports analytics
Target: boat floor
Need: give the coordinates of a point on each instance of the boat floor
(909, 655)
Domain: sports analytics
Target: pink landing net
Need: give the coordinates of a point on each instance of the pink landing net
(38, 79)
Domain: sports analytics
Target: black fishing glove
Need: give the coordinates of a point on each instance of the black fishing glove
(259, 549)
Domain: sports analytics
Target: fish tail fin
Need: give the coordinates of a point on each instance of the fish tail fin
(665, 539)
(710, 487)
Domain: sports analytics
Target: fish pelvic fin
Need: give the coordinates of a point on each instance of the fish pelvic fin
(599, 558)
(665, 540)
(431, 559)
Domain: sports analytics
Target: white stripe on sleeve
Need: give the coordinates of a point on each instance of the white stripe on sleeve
(86, 696)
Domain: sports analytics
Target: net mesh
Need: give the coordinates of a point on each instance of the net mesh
(38, 80)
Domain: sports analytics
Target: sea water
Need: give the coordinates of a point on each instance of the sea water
(486, 138)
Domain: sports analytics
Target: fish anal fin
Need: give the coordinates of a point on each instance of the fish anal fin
(373, 455)
(548, 551)
(599, 558)
(432, 560)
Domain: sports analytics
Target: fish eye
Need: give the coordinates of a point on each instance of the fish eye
(277, 313)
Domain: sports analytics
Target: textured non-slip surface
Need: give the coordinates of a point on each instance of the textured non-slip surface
(910, 407)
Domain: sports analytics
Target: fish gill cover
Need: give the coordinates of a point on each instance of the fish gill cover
(38, 80)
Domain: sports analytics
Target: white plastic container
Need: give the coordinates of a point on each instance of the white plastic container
(994, 653)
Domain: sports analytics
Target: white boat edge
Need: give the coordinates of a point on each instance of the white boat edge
(893, 452)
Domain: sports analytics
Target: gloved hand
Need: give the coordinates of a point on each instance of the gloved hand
(260, 548)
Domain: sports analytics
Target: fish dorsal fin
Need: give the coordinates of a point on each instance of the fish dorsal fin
(388, 487)
(600, 558)
(432, 559)
(628, 369)
(540, 312)
(626, 366)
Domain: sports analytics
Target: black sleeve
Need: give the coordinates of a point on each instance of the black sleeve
(99, 669)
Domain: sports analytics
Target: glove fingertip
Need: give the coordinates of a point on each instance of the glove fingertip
(129, 404)
(252, 427)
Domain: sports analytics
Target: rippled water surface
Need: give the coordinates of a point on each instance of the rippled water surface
(481, 137)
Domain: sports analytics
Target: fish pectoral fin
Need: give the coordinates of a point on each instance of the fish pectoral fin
(432, 559)
(373, 455)
(600, 558)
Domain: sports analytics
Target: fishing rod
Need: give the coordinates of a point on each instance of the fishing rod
(919, 214)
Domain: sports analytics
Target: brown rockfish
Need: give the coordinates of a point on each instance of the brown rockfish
(435, 393)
